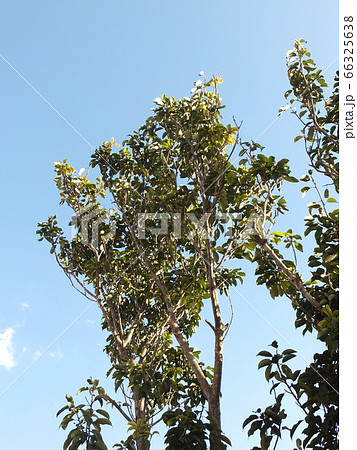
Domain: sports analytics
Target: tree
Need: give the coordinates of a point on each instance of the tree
(157, 281)
(179, 210)
(314, 389)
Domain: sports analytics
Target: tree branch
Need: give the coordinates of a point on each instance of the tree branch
(293, 278)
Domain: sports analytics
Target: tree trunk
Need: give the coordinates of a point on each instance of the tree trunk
(142, 442)
(219, 329)
(215, 432)
(215, 400)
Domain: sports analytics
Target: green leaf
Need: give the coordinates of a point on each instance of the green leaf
(263, 363)
(61, 410)
(226, 440)
(268, 374)
(249, 419)
(264, 353)
(289, 351)
(291, 179)
(310, 134)
(103, 421)
(289, 263)
(304, 190)
(294, 427)
(305, 177)
(313, 205)
(328, 311)
(66, 420)
(100, 445)
(254, 427)
(103, 413)
(329, 258)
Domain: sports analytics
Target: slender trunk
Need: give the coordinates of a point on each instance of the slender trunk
(142, 443)
(218, 328)
(215, 398)
(140, 405)
(214, 402)
(215, 432)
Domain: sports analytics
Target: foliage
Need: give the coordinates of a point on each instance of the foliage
(155, 231)
(314, 389)
(152, 288)
(186, 430)
(87, 421)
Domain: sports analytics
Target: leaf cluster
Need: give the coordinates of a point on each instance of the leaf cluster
(85, 419)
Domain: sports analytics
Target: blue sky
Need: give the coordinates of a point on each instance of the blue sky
(100, 65)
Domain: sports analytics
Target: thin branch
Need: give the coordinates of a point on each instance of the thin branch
(319, 194)
(311, 108)
(292, 277)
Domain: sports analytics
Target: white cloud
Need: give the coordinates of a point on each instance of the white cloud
(24, 305)
(7, 351)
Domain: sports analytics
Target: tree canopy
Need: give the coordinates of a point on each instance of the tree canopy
(155, 232)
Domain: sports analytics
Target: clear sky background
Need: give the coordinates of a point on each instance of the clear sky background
(100, 64)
